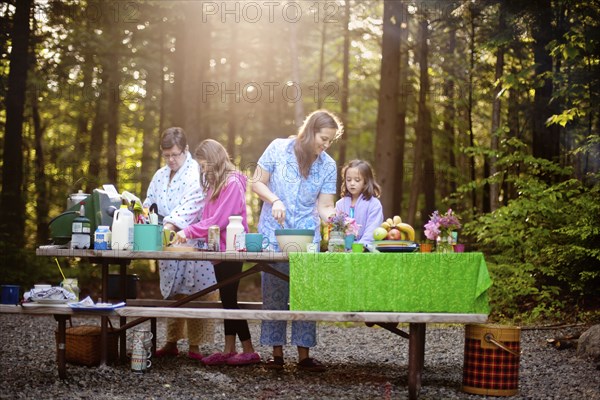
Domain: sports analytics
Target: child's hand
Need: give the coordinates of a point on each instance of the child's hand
(180, 237)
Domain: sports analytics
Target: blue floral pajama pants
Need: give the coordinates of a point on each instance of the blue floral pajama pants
(275, 296)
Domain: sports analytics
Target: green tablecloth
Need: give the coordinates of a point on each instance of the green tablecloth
(399, 282)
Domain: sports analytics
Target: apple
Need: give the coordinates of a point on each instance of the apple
(379, 233)
(393, 234)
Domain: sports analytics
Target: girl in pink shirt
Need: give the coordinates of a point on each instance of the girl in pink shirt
(225, 196)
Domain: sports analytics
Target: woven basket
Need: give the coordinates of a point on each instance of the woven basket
(83, 345)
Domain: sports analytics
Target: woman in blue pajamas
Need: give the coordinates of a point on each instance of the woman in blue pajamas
(296, 179)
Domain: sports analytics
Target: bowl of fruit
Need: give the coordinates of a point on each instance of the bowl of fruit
(394, 236)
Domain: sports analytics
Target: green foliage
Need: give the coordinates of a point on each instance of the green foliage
(544, 246)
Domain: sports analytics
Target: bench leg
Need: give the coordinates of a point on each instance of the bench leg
(416, 355)
(153, 330)
(61, 350)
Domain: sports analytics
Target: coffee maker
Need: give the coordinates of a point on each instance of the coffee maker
(99, 209)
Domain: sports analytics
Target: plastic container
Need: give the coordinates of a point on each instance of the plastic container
(10, 294)
(122, 229)
(81, 231)
(233, 228)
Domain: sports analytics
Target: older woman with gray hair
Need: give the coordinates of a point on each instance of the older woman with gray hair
(175, 189)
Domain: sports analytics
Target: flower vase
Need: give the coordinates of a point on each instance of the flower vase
(348, 241)
(444, 244)
(336, 242)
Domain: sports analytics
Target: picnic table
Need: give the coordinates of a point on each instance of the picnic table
(384, 289)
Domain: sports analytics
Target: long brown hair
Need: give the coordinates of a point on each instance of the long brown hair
(365, 170)
(305, 143)
(218, 166)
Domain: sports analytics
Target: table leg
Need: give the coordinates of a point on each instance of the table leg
(123, 320)
(122, 341)
(104, 320)
(416, 355)
(61, 350)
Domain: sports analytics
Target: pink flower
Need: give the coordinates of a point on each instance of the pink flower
(341, 222)
(441, 225)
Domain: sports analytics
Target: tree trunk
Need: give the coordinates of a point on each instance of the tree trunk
(450, 116)
(12, 207)
(162, 95)
(385, 144)
(97, 142)
(344, 92)
(494, 186)
(298, 106)
(424, 181)
(403, 92)
(470, 101)
(193, 73)
(546, 139)
(112, 117)
(322, 57)
(113, 93)
(232, 100)
(177, 109)
(41, 184)
(514, 131)
(150, 146)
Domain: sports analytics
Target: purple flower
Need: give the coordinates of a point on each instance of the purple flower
(441, 225)
(341, 222)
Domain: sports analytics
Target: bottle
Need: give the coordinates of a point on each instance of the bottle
(80, 231)
(122, 229)
(235, 227)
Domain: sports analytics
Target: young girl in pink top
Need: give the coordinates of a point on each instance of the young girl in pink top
(225, 196)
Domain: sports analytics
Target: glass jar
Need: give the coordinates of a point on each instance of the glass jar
(336, 242)
(444, 244)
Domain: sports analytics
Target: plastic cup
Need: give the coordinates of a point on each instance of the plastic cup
(357, 248)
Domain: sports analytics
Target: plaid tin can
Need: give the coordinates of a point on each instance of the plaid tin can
(491, 361)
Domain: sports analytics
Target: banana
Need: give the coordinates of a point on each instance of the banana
(397, 220)
(385, 225)
(408, 230)
(390, 221)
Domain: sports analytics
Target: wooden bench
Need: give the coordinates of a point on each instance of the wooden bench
(251, 311)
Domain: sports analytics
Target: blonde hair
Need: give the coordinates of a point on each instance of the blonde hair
(305, 142)
(218, 166)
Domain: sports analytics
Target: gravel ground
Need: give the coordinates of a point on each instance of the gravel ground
(363, 363)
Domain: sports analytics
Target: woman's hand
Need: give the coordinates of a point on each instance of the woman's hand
(278, 211)
(180, 237)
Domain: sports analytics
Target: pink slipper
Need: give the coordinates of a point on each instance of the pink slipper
(217, 358)
(244, 359)
(166, 353)
(195, 356)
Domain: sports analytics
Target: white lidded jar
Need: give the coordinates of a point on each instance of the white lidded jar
(122, 229)
(235, 227)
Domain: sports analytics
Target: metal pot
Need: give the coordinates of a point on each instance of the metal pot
(75, 198)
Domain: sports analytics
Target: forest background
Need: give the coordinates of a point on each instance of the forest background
(486, 107)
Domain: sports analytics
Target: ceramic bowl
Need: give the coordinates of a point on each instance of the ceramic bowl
(291, 240)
